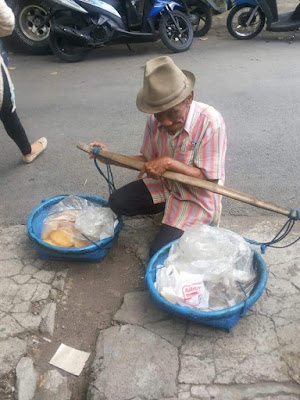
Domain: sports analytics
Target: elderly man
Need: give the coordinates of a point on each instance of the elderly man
(181, 135)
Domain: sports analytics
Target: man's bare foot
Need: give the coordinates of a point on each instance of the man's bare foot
(36, 149)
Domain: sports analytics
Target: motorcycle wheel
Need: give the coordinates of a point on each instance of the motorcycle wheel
(202, 16)
(27, 36)
(174, 39)
(61, 46)
(237, 18)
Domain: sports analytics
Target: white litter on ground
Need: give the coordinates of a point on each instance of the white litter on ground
(69, 359)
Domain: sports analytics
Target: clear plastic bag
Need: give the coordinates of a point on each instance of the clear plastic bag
(77, 222)
(208, 269)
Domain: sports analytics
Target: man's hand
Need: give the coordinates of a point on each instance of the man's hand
(103, 147)
(155, 168)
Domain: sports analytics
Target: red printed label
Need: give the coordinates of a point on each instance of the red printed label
(192, 290)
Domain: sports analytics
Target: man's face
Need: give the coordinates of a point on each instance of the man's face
(174, 118)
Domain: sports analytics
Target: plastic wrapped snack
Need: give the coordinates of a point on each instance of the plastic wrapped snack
(208, 269)
(77, 222)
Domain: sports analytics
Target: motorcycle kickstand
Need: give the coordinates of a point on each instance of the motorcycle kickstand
(131, 50)
(291, 41)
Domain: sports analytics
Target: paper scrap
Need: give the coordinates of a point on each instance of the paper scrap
(53, 73)
(12, 68)
(69, 359)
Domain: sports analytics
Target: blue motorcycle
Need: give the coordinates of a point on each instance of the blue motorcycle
(248, 17)
(80, 25)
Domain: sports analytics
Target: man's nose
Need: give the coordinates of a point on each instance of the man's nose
(164, 120)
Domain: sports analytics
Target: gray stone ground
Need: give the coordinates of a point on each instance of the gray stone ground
(29, 289)
(149, 356)
(145, 354)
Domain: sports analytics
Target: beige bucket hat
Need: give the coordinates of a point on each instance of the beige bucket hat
(165, 86)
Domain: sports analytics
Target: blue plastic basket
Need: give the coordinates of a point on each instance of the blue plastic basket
(224, 319)
(93, 253)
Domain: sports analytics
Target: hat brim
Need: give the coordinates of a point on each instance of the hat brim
(142, 105)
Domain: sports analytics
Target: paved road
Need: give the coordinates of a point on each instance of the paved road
(254, 84)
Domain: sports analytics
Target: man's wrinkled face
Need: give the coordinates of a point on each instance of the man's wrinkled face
(174, 118)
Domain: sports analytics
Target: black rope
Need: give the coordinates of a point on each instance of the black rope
(281, 235)
(109, 175)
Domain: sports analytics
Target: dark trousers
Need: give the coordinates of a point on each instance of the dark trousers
(11, 120)
(135, 199)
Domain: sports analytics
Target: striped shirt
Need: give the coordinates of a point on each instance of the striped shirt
(201, 143)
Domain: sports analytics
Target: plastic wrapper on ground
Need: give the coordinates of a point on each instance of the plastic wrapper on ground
(207, 269)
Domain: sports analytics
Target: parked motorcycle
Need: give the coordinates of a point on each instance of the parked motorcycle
(80, 25)
(201, 12)
(247, 18)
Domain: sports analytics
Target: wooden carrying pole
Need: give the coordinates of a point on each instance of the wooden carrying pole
(188, 180)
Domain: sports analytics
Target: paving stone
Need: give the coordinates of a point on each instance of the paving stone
(185, 396)
(195, 370)
(259, 368)
(183, 387)
(11, 350)
(21, 279)
(27, 379)
(269, 391)
(9, 327)
(201, 392)
(59, 281)
(148, 368)
(171, 330)
(42, 292)
(29, 270)
(8, 290)
(29, 321)
(205, 332)
(138, 308)
(25, 293)
(10, 268)
(248, 337)
(48, 319)
(197, 346)
(45, 276)
(291, 355)
(53, 294)
(55, 386)
(21, 307)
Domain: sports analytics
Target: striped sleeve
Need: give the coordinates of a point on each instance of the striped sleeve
(147, 147)
(210, 152)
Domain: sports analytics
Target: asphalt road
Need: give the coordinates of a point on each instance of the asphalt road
(254, 84)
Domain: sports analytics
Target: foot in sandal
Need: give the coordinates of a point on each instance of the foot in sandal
(36, 149)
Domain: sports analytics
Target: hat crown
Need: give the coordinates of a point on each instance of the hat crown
(163, 81)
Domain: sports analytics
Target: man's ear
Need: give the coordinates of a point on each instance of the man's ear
(190, 98)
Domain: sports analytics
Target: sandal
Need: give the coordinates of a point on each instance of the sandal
(28, 159)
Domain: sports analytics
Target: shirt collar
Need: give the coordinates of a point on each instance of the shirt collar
(188, 123)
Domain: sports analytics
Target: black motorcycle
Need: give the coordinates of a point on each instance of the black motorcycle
(80, 25)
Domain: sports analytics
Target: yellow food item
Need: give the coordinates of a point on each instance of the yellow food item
(81, 243)
(49, 242)
(61, 238)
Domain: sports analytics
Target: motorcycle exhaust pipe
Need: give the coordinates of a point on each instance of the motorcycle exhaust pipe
(72, 34)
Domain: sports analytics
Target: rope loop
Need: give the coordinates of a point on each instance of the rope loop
(282, 234)
(109, 175)
(296, 217)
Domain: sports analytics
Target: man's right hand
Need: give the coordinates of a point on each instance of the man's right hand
(103, 147)
(98, 144)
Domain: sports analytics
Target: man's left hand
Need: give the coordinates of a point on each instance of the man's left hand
(155, 168)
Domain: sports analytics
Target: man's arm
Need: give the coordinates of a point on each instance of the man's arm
(156, 168)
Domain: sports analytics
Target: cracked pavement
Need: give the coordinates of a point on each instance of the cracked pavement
(147, 355)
